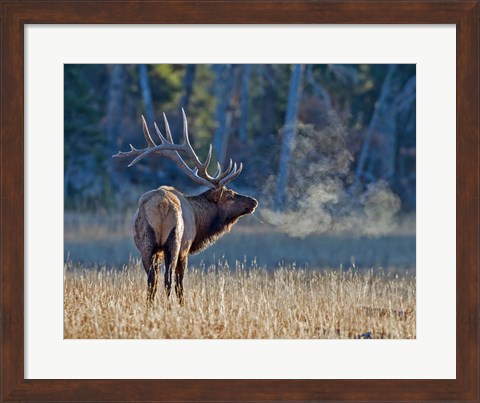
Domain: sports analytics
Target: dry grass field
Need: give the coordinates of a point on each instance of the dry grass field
(295, 288)
(221, 302)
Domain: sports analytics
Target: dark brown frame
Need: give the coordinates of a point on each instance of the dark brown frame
(465, 14)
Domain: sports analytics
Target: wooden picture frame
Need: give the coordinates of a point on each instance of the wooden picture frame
(465, 14)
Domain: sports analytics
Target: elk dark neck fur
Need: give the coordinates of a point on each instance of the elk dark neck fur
(210, 224)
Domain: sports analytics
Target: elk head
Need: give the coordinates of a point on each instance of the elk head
(231, 205)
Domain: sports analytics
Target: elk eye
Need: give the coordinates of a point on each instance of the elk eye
(229, 197)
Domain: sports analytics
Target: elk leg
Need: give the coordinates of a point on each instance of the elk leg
(145, 241)
(168, 274)
(171, 251)
(148, 254)
(179, 272)
(153, 278)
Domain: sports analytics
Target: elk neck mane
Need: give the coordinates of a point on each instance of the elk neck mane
(210, 224)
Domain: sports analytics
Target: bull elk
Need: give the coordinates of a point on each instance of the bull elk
(168, 225)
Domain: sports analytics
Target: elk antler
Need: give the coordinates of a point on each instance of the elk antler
(167, 148)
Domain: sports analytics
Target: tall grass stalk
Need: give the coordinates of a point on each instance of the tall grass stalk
(240, 302)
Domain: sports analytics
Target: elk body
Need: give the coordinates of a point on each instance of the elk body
(168, 225)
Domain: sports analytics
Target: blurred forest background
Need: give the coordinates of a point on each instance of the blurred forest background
(326, 149)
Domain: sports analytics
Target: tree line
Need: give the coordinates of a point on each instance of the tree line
(360, 116)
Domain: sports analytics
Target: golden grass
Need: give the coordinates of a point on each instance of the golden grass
(240, 303)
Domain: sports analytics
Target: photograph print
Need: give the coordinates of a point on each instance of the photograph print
(240, 201)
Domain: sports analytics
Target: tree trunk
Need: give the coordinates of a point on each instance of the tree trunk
(146, 93)
(224, 90)
(188, 81)
(267, 112)
(318, 90)
(244, 101)
(388, 128)
(116, 89)
(294, 95)
(379, 109)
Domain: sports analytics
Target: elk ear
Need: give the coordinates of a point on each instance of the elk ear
(215, 195)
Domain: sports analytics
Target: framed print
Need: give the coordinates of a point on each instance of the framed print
(385, 94)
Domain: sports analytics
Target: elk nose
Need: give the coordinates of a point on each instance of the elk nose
(251, 209)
